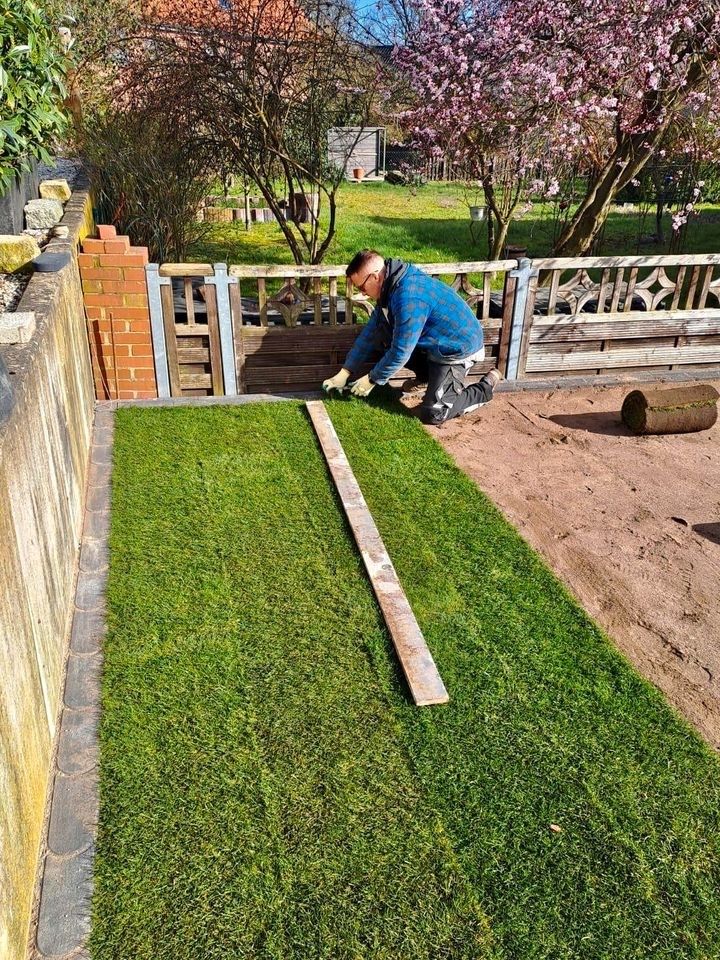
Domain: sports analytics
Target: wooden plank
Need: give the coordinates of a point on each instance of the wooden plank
(262, 301)
(506, 324)
(216, 372)
(338, 270)
(238, 340)
(617, 289)
(590, 263)
(549, 332)
(168, 311)
(693, 287)
(487, 290)
(630, 292)
(602, 295)
(705, 288)
(193, 355)
(648, 357)
(348, 301)
(422, 675)
(296, 374)
(186, 270)
(196, 330)
(192, 381)
(333, 301)
(317, 297)
(189, 306)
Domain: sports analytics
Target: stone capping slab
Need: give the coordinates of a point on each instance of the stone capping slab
(65, 880)
(41, 293)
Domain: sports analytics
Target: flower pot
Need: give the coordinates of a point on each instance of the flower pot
(358, 172)
(477, 213)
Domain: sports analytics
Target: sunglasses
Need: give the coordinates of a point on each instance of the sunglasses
(361, 286)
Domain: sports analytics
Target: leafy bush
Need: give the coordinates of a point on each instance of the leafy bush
(32, 87)
(147, 182)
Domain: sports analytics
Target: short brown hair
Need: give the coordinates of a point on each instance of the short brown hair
(360, 261)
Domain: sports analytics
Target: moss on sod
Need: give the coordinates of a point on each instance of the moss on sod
(269, 791)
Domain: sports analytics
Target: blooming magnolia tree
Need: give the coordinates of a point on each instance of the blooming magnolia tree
(554, 82)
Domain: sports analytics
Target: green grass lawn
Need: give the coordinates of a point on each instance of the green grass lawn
(269, 791)
(432, 225)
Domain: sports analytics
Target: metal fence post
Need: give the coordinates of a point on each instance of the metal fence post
(157, 329)
(522, 274)
(221, 281)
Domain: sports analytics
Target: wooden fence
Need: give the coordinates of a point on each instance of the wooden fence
(280, 329)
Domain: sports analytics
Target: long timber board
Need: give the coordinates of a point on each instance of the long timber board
(422, 675)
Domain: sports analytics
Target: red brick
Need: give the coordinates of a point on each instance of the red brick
(138, 325)
(106, 232)
(119, 245)
(136, 300)
(138, 339)
(130, 383)
(140, 252)
(136, 274)
(102, 273)
(92, 286)
(120, 326)
(136, 314)
(86, 260)
(139, 363)
(94, 313)
(117, 260)
(93, 246)
(104, 300)
(141, 350)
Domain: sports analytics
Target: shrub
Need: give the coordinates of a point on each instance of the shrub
(32, 87)
(147, 182)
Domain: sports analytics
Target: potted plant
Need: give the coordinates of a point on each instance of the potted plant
(358, 172)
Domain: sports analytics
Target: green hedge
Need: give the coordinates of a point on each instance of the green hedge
(32, 86)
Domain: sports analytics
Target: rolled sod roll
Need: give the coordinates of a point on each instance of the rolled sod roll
(671, 409)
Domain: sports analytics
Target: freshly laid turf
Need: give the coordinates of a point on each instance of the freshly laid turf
(269, 791)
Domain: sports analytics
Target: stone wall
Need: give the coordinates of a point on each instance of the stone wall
(44, 450)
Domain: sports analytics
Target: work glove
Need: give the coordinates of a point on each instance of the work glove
(362, 387)
(337, 382)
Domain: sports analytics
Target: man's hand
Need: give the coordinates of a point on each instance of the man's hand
(362, 387)
(337, 382)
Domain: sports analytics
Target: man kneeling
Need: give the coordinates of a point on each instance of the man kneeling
(420, 323)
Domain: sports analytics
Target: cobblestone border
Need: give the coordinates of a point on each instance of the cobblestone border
(63, 912)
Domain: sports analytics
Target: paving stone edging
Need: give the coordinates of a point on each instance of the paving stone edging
(66, 884)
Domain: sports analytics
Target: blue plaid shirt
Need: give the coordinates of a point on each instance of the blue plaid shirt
(421, 312)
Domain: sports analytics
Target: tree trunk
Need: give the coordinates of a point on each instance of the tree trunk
(500, 237)
(628, 158)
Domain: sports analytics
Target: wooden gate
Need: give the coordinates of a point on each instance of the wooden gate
(282, 329)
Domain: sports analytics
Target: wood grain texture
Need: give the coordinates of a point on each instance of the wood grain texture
(422, 675)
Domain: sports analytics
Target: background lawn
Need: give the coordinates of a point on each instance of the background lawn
(269, 791)
(432, 225)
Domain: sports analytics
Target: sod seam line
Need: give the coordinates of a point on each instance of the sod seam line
(421, 673)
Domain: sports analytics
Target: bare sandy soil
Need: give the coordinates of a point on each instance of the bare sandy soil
(630, 524)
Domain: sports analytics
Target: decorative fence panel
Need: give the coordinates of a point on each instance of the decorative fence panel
(598, 315)
(279, 329)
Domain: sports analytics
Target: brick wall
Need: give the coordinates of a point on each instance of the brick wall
(118, 317)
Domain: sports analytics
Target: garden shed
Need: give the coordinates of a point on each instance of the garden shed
(352, 147)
